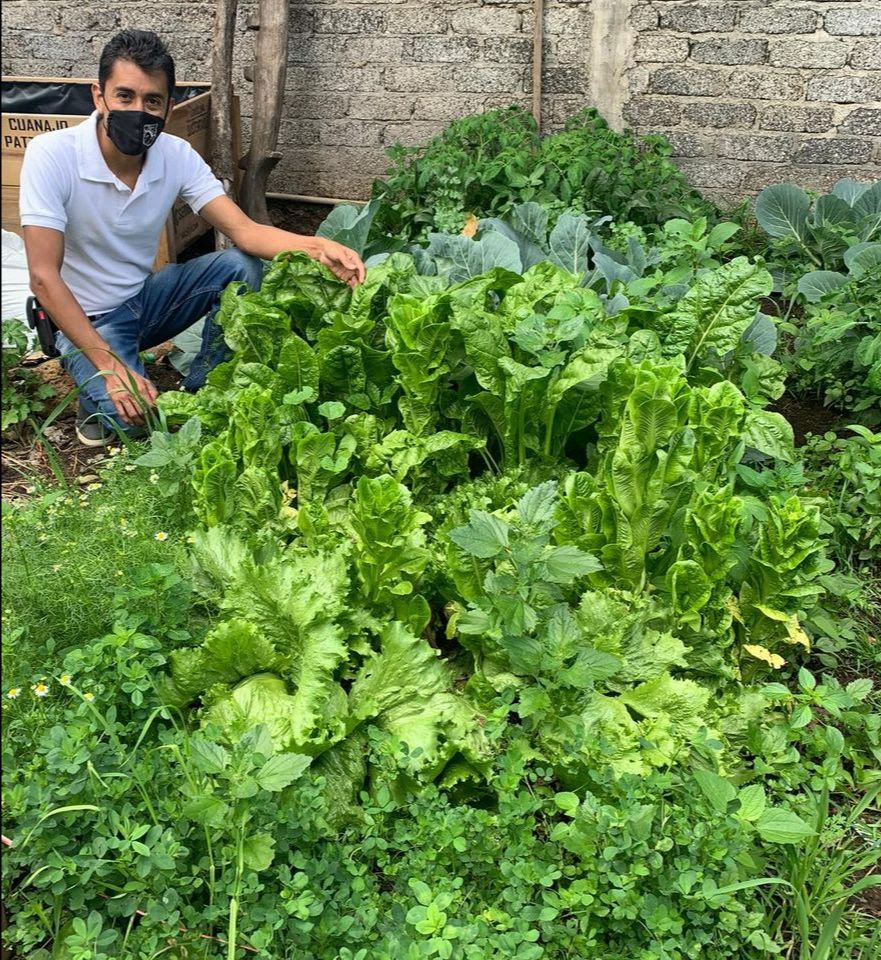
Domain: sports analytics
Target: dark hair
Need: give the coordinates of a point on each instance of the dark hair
(140, 47)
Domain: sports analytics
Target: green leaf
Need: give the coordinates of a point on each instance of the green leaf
(565, 564)
(349, 224)
(761, 335)
(567, 802)
(536, 506)
(782, 211)
(462, 258)
(716, 789)
(863, 258)
(860, 689)
(207, 756)
(867, 208)
(782, 826)
(407, 689)
(716, 311)
(208, 810)
(421, 891)
(258, 851)
(752, 802)
(801, 717)
(281, 770)
(817, 284)
(569, 243)
(849, 190)
(484, 535)
(770, 433)
(332, 409)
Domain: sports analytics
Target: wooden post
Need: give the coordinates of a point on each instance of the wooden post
(222, 153)
(269, 78)
(537, 59)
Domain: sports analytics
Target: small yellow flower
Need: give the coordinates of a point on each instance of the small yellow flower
(154, 478)
(113, 451)
(129, 467)
(89, 696)
(64, 679)
(13, 693)
(94, 486)
(162, 536)
(40, 689)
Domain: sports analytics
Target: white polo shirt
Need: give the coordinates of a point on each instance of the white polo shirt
(110, 231)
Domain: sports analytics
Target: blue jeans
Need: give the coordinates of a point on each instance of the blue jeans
(168, 303)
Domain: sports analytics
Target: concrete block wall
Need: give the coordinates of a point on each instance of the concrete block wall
(754, 93)
(749, 92)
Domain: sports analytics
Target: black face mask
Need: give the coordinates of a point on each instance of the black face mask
(133, 132)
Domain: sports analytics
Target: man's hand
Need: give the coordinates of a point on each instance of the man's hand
(341, 261)
(131, 394)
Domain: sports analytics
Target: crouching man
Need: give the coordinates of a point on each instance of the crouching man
(94, 200)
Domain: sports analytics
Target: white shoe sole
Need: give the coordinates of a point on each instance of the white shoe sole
(91, 441)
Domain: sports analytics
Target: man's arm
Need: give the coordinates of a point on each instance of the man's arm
(261, 240)
(129, 391)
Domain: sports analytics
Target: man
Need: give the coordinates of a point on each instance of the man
(94, 200)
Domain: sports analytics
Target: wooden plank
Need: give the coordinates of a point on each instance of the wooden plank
(18, 129)
(10, 208)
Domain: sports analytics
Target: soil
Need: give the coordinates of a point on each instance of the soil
(28, 461)
(304, 218)
(807, 416)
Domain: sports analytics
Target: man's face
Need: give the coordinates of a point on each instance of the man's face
(130, 88)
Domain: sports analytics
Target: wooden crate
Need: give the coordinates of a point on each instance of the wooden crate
(190, 119)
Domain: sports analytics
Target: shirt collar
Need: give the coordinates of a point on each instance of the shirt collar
(91, 164)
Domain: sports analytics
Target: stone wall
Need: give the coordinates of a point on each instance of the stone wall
(749, 92)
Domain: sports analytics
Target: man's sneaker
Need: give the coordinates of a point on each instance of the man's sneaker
(92, 431)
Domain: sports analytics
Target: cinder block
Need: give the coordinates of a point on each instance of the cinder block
(348, 20)
(446, 107)
(767, 85)
(771, 149)
(838, 150)
(380, 106)
(797, 119)
(857, 21)
(564, 80)
(717, 115)
(866, 54)
(811, 54)
(351, 133)
(689, 82)
(686, 144)
(507, 50)
(661, 49)
(564, 20)
(442, 49)
(768, 20)
(414, 133)
(711, 173)
(412, 21)
(864, 122)
(486, 20)
(729, 51)
(844, 89)
(648, 112)
(700, 18)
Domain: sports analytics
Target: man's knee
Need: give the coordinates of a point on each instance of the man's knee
(238, 265)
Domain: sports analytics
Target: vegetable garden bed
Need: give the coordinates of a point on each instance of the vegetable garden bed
(487, 610)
